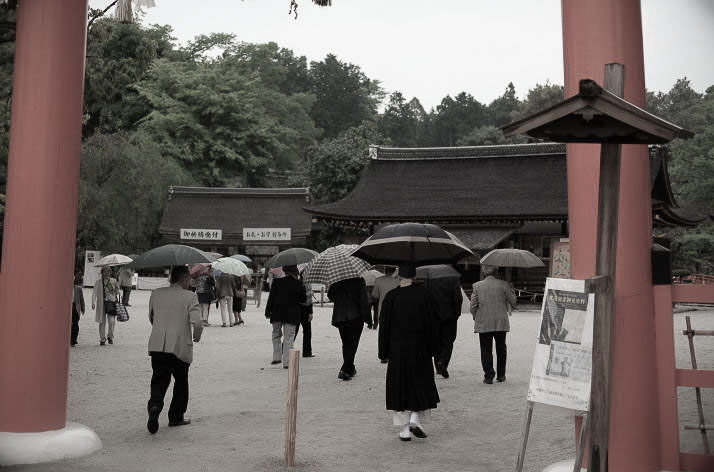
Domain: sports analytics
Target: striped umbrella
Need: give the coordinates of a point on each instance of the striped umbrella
(335, 264)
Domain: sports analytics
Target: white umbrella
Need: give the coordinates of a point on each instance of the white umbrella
(511, 257)
(113, 260)
(228, 265)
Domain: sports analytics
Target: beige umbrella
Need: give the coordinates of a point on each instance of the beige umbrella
(113, 260)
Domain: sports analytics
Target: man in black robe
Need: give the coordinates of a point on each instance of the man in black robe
(408, 339)
(446, 292)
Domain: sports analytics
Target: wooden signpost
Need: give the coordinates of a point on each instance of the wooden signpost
(291, 417)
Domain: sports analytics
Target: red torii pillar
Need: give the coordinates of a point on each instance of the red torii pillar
(39, 238)
(595, 34)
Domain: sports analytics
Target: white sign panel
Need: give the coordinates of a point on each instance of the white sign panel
(92, 273)
(266, 234)
(201, 234)
(562, 363)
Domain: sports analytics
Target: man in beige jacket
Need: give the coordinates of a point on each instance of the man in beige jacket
(172, 311)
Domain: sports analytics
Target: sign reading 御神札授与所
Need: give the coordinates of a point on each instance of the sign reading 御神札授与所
(266, 234)
(201, 234)
(562, 363)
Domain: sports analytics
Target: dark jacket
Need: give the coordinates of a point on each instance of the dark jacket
(409, 338)
(285, 299)
(446, 292)
(351, 301)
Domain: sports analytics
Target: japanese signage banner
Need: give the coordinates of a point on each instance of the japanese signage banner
(266, 234)
(201, 234)
(562, 363)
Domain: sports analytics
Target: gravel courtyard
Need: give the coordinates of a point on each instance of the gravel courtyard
(237, 403)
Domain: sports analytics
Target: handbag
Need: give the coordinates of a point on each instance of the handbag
(238, 292)
(121, 312)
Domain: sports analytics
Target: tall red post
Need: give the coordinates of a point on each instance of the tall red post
(40, 220)
(595, 34)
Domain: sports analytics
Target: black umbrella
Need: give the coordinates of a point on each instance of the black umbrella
(437, 271)
(417, 243)
(169, 255)
(292, 256)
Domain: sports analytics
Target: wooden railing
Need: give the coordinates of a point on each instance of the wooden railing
(670, 377)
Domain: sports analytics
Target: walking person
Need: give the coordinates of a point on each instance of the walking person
(126, 276)
(206, 294)
(77, 309)
(283, 310)
(350, 313)
(104, 296)
(408, 338)
(446, 292)
(225, 283)
(239, 295)
(172, 312)
(489, 307)
(306, 321)
(382, 285)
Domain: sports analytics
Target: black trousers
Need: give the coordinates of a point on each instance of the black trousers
(350, 332)
(306, 334)
(126, 292)
(446, 343)
(486, 342)
(164, 365)
(74, 332)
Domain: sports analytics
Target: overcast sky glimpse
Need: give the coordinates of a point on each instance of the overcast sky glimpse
(428, 48)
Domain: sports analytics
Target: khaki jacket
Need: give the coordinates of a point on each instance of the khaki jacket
(488, 304)
(172, 311)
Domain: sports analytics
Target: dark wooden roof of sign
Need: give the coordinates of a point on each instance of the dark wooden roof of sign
(596, 115)
(484, 185)
(232, 209)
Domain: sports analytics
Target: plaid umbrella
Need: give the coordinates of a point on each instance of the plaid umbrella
(416, 243)
(335, 264)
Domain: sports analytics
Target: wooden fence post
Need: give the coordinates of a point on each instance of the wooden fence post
(291, 417)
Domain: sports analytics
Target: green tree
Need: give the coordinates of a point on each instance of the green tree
(334, 165)
(456, 117)
(345, 96)
(403, 122)
(489, 135)
(505, 108)
(124, 181)
(539, 98)
(221, 124)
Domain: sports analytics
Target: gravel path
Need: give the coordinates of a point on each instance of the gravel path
(237, 404)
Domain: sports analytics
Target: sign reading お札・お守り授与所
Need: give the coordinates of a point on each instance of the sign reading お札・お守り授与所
(266, 234)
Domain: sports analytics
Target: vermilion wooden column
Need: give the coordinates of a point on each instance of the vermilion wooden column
(594, 34)
(36, 275)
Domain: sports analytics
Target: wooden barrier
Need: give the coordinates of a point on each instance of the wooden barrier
(291, 417)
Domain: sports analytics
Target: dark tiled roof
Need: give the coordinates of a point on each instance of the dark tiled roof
(474, 184)
(232, 209)
(483, 183)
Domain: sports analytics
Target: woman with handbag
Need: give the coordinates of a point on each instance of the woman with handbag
(206, 293)
(238, 298)
(104, 297)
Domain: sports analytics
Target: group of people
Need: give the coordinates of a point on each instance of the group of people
(227, 291)
(416, 322)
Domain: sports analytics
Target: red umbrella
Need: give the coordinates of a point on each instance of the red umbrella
(199, 269)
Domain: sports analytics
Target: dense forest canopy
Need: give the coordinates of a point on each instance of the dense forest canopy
(222, 112)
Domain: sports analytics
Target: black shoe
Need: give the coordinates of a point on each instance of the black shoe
(441, 370)
(179, 423)
(344, 375)
(384, 361)
(286, 367)
(102, 343)
(308, 355)
(275, 362)
(501, 379)
(488, 381)
(153, 424)
(110, 340)
(352, 372)
(417, 431)
(239, 323)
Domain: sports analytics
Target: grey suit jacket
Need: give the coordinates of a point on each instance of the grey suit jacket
(488, 304)
(172, 311)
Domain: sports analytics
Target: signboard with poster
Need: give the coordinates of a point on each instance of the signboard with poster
(562, 362)
(560, 258)
(92, 273)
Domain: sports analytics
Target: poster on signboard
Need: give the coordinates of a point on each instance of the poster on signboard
(562, 363)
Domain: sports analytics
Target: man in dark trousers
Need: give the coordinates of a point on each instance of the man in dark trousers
(350, 313)
(172, 311)
(283, 310)
(446, 292)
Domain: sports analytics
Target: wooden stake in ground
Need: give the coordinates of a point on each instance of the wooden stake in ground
(291, 417)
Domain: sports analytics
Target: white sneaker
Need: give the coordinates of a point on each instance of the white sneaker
(405, 434)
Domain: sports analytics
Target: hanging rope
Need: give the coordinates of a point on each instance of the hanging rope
(123, 12)
(323, 3)
(293, 8)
